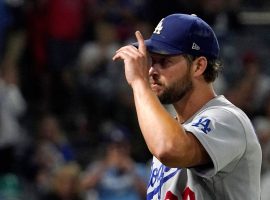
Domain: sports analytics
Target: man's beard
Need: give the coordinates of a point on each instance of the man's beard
(176, 91)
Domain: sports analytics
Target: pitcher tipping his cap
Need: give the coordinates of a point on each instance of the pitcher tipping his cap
(209, 149)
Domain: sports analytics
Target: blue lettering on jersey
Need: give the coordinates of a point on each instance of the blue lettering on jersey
(158, 177)
(204, 124)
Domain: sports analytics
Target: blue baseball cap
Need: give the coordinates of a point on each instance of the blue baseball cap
(183, 34)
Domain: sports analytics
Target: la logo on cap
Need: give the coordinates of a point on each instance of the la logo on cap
(159, 27)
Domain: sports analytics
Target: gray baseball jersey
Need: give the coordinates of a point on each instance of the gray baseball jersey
(230, 140)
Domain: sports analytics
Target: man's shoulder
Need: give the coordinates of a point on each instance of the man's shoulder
(219, 101)
(222, 105)
(219, 113)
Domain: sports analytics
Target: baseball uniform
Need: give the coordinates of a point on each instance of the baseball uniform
(229, 138)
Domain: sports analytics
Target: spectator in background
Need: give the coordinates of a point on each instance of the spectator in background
(97, 78)
(222, 15)
(52, 151)
(34, 68)
(55, 30)
(12, 108)
(5, 23)
(64, 183)
(66, 20)
(11, 187)
(36, 35)
(120, 14)
(250, 89)
(253, 72)
(13, 137)
(116, 176)
(262, 125)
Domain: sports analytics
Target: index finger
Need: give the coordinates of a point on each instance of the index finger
(141, 45)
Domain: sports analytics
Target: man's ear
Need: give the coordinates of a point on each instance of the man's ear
(199, 66)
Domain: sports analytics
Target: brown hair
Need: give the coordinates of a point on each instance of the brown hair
(212, 70)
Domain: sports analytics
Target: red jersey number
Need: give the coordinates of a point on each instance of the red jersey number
(188, 194)
(170, 196)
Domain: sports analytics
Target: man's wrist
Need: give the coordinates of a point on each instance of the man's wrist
(140, 84)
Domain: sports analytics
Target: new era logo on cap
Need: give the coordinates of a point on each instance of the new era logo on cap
(182, 33)
(195, 46)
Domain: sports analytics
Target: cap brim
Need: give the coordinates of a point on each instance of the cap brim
(155, 46)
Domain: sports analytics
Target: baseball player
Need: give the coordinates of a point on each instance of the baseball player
(209, 150)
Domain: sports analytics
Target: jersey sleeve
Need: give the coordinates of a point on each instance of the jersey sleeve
(222, 135)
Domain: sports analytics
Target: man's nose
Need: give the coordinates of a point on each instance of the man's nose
(154, 69)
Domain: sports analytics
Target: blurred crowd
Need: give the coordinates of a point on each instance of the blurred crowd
(68, 128)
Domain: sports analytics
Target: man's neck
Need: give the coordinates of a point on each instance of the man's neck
(193, 102)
